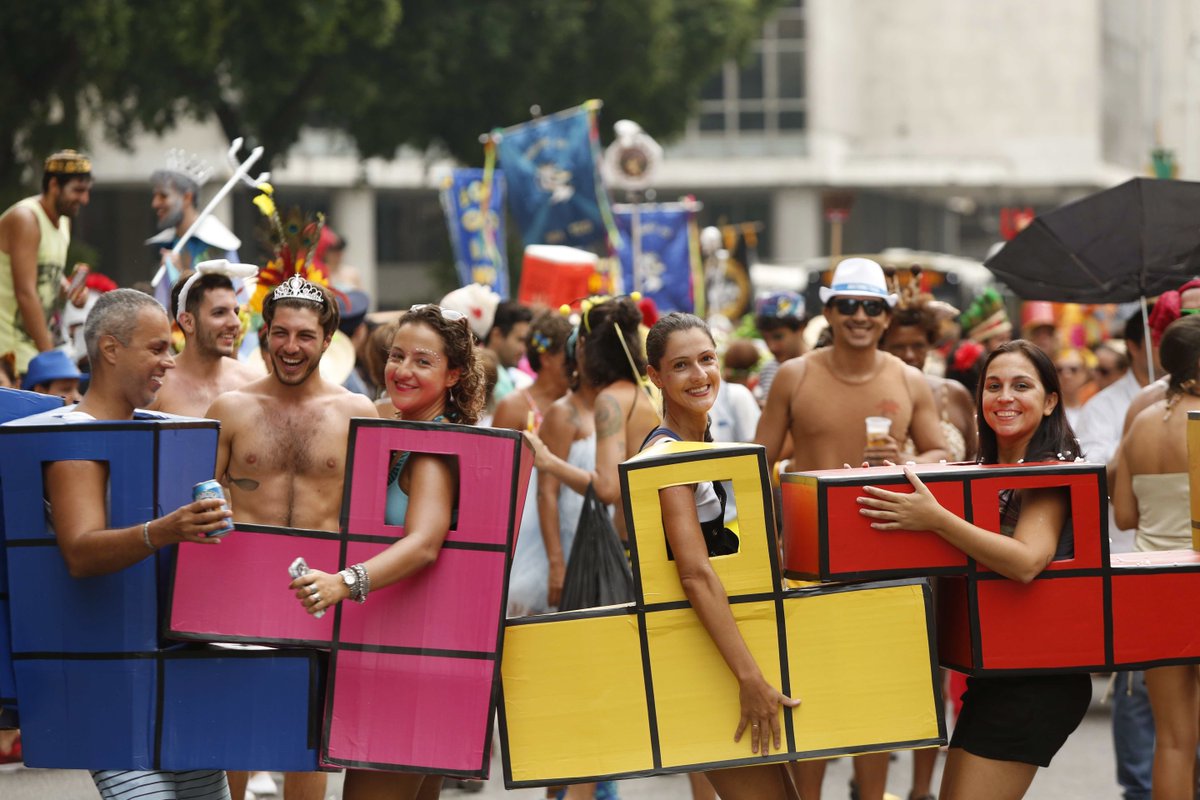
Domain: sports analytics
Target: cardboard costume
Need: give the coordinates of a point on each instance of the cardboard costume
(97, 687)
(645, 687)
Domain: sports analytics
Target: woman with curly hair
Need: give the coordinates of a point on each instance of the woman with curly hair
(432, 375)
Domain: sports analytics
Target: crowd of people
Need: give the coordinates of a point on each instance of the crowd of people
(591, 387)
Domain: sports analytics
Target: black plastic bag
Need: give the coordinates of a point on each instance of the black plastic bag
(598, 572)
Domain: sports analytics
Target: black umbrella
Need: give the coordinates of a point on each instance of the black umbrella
(1139, 239)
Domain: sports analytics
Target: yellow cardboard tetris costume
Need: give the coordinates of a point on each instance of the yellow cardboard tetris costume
(641, 689)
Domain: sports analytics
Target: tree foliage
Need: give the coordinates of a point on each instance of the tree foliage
(436, 75)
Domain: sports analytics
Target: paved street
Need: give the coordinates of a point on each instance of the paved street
(1083, 769)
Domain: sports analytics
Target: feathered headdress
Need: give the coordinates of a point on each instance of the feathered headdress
(293, 242)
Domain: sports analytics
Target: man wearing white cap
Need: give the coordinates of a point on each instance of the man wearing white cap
(824, 399)
(206, 307)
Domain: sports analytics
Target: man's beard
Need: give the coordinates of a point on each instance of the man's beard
(174, 216)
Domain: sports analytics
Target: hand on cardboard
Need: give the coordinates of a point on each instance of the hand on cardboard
(330, 590)
(190, 523)
(879, 455)
(918, 510)
(760, 714)
(541, 453)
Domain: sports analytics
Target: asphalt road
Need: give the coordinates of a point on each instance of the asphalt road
(1084, 769)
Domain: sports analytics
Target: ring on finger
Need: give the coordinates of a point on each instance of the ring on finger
(316, 598)
(312, 589)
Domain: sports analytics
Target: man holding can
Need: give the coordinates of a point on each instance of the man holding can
(282, 451)
(824, 399)
(128, 344)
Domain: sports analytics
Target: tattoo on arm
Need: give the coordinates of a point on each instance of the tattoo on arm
(608, 417)
(245, 484)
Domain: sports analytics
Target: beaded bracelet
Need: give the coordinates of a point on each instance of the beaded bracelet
(146, 537)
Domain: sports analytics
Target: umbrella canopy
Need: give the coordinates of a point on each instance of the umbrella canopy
(1138, 239)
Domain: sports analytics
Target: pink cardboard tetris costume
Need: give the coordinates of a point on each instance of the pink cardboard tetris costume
(414, 671)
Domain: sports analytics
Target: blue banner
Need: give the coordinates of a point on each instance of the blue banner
(664, 237)
(478, 240)
(553, 181)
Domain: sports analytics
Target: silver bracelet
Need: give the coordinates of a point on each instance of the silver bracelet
(146, 537)
(364, 582)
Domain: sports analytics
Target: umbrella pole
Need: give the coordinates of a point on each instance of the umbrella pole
(1147, 340)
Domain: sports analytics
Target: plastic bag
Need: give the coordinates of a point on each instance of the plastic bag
(598, 572)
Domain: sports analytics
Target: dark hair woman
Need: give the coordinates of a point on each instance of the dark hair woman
(996, 750)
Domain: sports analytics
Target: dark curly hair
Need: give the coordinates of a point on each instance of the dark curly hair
(547, 334)
(328, 313)
(1179, 352)
(602, 327)
(464, 400)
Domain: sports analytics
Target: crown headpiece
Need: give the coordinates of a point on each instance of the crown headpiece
(297, 288)
(189, 165)
(68, 162)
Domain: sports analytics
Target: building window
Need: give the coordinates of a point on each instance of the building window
(765, 93)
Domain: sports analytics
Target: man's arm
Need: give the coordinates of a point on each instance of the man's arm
(23, 240)
(76, 491)
(925, 428)
(776, 419)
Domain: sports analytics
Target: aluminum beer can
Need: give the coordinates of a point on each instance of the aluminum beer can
(211, 488)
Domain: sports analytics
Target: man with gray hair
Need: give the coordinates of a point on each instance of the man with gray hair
(176, 188)
(128, 344)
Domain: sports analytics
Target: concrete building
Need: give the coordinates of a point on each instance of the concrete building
(933, 114)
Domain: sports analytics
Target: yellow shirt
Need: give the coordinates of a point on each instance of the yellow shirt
(51, 264)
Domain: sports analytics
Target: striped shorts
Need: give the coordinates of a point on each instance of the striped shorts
(125, 784)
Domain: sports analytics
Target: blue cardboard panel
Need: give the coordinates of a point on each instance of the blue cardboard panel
(130, 456)
(244, 709)
(186, 456)
(15, 404)
(55, 613)
(88, 713)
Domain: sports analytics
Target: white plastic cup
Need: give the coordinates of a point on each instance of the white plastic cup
(878, 429)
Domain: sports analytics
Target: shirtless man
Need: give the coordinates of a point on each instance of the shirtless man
(823, 399)
(208, 366)
(282, 451)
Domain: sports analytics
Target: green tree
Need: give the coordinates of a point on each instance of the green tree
(439, 76)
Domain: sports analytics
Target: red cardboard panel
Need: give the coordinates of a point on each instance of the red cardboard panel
(1086, 518)
(238, 590)
(453, 604)
(953, 623)
(1150, 613)
(1049, 623)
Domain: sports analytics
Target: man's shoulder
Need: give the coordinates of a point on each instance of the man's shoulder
(352, 404)
(237, 402)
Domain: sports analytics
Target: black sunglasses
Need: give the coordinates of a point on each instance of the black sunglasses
(849, 306)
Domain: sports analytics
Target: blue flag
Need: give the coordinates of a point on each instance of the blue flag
(478, 240)
(553, 181)
(664, 236)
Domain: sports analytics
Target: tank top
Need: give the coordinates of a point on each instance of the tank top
(396, 506)
(1164, 517)
(51, 264)
(710, 507)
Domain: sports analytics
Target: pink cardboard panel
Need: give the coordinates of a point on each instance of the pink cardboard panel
(453, 604)
(486, 485)
(238, 589)
(425, 712)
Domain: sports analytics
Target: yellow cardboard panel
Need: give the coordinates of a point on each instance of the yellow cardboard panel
(695, 694)
(859, 661)
(746, 572)
(575, 698)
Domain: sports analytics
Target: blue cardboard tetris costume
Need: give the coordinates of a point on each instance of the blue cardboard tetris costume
(97, 687)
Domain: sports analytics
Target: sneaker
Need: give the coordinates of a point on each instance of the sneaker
(262, 784)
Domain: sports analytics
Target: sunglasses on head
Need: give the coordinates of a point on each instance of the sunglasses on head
(448, 314)
(849, 306)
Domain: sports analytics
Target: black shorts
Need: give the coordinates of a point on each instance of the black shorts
(1026, 718)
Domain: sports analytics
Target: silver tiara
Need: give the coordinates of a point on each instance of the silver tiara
(191, 166)
(300, 289)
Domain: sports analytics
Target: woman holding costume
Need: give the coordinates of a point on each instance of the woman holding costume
(682, 362)
(1150, 494)
(1009, 726)
(432, 375)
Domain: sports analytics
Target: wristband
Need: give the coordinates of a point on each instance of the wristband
(146, 537)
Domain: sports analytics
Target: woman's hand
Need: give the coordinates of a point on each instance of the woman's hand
(541, 453)
(318, 590)
(760, 713)
(918, 510)
(190, 523)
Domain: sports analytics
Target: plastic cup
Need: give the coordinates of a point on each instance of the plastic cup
(878, 429)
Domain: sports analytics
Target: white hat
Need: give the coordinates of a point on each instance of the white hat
(858, 277)
(478, 303)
